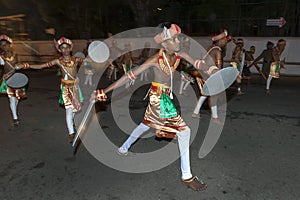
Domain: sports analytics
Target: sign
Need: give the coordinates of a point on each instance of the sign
(276, 22)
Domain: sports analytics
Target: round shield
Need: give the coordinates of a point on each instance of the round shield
(220, 81)
(98, 51)
(17, 80)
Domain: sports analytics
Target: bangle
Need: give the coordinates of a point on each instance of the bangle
(25, 65)
(100, 95)
(131, 75)
(198, 63)
(49, 64)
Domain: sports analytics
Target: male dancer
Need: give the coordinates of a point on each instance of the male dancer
(237, 61)
(186, 78)
(127, 61)
(8, 59)
(161, 113)
(249, 57)
(214, 59)
(267, 57)
(70, 94)
(276, 65)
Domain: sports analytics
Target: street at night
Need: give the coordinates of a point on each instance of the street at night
(256, 157)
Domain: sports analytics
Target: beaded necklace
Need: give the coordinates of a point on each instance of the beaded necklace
(9, 59)
(67, 63)
(162, 64)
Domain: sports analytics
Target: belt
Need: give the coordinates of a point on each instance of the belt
(156, 86)
(67, 82)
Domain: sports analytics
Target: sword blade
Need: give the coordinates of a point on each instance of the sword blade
(83, 122)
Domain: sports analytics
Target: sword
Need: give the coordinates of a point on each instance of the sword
(258, 69)
(83, 122)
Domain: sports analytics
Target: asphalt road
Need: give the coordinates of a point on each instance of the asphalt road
(256, 157)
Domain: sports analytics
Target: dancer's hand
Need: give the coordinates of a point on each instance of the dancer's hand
(212, 70)
(18, 66)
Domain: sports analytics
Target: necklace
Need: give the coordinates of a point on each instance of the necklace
(9, 59)
(67, 63)
(162, 64)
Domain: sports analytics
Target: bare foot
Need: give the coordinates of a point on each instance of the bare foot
(194, 115)
(217, 121)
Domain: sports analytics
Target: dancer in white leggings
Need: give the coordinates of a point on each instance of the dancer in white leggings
(70, 93)
(8, 59)
(276, 65)
(161, 113)
(214, 60)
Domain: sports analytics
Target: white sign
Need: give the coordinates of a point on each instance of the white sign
(276, 22)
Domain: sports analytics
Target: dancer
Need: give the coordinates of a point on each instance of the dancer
(214, 59)
(89, 71)
(70, 93)
(276, 65)
(161, 112)
(249, 57)
(186, 78)
(114, 60)
(8, 59)
(267, 57)
(127, 61)
(238, 61)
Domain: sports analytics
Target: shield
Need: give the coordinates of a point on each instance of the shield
(17, 80)
(220, 81)
(98, 51)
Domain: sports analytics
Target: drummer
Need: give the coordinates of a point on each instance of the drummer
(8, 59)
(70, 93)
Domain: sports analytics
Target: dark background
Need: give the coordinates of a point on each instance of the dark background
(96, 18)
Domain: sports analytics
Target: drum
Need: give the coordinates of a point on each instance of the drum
(98, 51)
(17, 80)
(220, 81)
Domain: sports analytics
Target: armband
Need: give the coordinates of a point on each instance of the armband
(100, 95)
(131, 75)
(198, 63)
(25, 65)
(49, 64)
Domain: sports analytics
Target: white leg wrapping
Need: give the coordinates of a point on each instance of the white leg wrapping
(269, 82)
(69, 120)
(186, 85)
(136, 133)
(199, 104)
(184, 145)
(90, 80)
(13, 102)
(142, 76)
(181, 86)
(115, 73)
(214, 111)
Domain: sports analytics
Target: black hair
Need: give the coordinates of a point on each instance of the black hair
(165, 24)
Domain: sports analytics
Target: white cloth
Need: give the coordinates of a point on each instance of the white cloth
(199, 104)
(269, 82)
(13, 102)
(69, 120)
(1, 61)
(136, 133)
(184, 149)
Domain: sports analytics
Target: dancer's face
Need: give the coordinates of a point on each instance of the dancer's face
(223, 42)
(65, 49)
(4, 45)
(172, 44)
